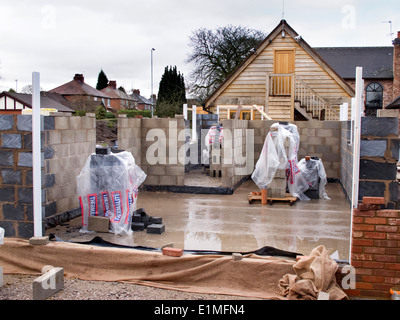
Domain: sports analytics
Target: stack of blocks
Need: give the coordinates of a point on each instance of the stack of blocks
(142, 221)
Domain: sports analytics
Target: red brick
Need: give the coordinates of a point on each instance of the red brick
(392, 280)
(394, 222)
(357, 249)
(385, 258)
(375, 235)
(364, 285)
(373, 200)
(358, 220)
(388, 213)
(384, 273)
(386, 228)
(374, 250)
(362, 257)
(172, 252)
(392, 266)
(373, 265)
(364, 227)
(364, 271)
(356, 264)
(362, 242)
(395, 251)
(359, 213)
(393, 236)
(375, 220)
(358, 234)
(352, 293)
(384, 287)
(386, 243)
(374, 279)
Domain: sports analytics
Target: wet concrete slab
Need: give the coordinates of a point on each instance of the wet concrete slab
(229, 223)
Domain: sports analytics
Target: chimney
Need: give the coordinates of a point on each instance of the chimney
(137, 91)
(112, 84)
(79, 77)
(396, 66)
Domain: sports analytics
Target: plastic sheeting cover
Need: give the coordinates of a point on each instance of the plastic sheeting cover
(313, 170)
(275, 156)
(214, 135)
(108, 187)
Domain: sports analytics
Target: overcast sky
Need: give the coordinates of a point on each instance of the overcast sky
(60, 38)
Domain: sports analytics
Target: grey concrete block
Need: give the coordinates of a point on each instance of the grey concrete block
(39, 241)
(138, 226)
(6, 158)
(11, 212)
(373, 148)
(48, 284)
(11, 141)
(24, 123)
(1, 277)
(11, 176)
(7, 194)
(99, 224)
(156, 229)
(6, 122)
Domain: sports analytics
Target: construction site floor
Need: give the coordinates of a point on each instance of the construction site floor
(229, 223)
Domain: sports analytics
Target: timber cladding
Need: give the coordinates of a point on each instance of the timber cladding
(250, 83)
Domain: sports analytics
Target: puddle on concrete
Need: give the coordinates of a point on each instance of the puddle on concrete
(230, 223)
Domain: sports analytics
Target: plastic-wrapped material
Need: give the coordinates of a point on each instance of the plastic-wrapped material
(214, 135)
(315, 175)
(280, 152)
(1, 236)
(108, 187)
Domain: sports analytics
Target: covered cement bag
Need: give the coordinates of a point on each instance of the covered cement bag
(108, 187)
(280, 152)
(214, 136)
(315, 175)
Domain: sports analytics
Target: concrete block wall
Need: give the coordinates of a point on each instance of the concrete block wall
(238, 146)
(375, 252)
(134, 136)
(130, 136)
(379, 157)
(317, 139)
(346, 158)
(66, 143)
(72, 141)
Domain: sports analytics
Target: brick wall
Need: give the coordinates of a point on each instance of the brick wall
(375, 252)
(66, 143)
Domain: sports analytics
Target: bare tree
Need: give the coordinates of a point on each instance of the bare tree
(216, 54)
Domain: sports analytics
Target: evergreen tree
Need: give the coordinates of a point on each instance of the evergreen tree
(171, 93)
(102, 81)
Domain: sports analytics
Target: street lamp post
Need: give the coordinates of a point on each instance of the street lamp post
(152, 97)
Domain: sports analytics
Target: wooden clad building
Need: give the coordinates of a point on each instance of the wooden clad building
(287, 78)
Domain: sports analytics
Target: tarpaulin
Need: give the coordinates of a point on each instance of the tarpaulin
(254, 276)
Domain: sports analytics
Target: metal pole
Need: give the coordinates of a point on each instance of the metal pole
(152, 99)
(36, 157)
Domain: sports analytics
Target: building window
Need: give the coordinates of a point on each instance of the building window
(374, 98)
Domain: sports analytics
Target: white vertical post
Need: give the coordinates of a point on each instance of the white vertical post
(194, 123)
(218, 112)
(357, 149)
(185, 111)
(36, 157)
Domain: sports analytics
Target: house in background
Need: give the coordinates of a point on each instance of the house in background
(14, 103)
(82, 95)
(378, 71)
(285, 76)
(120, 100)
(142, 102)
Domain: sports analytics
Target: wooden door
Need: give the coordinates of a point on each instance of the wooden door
(284, 63)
